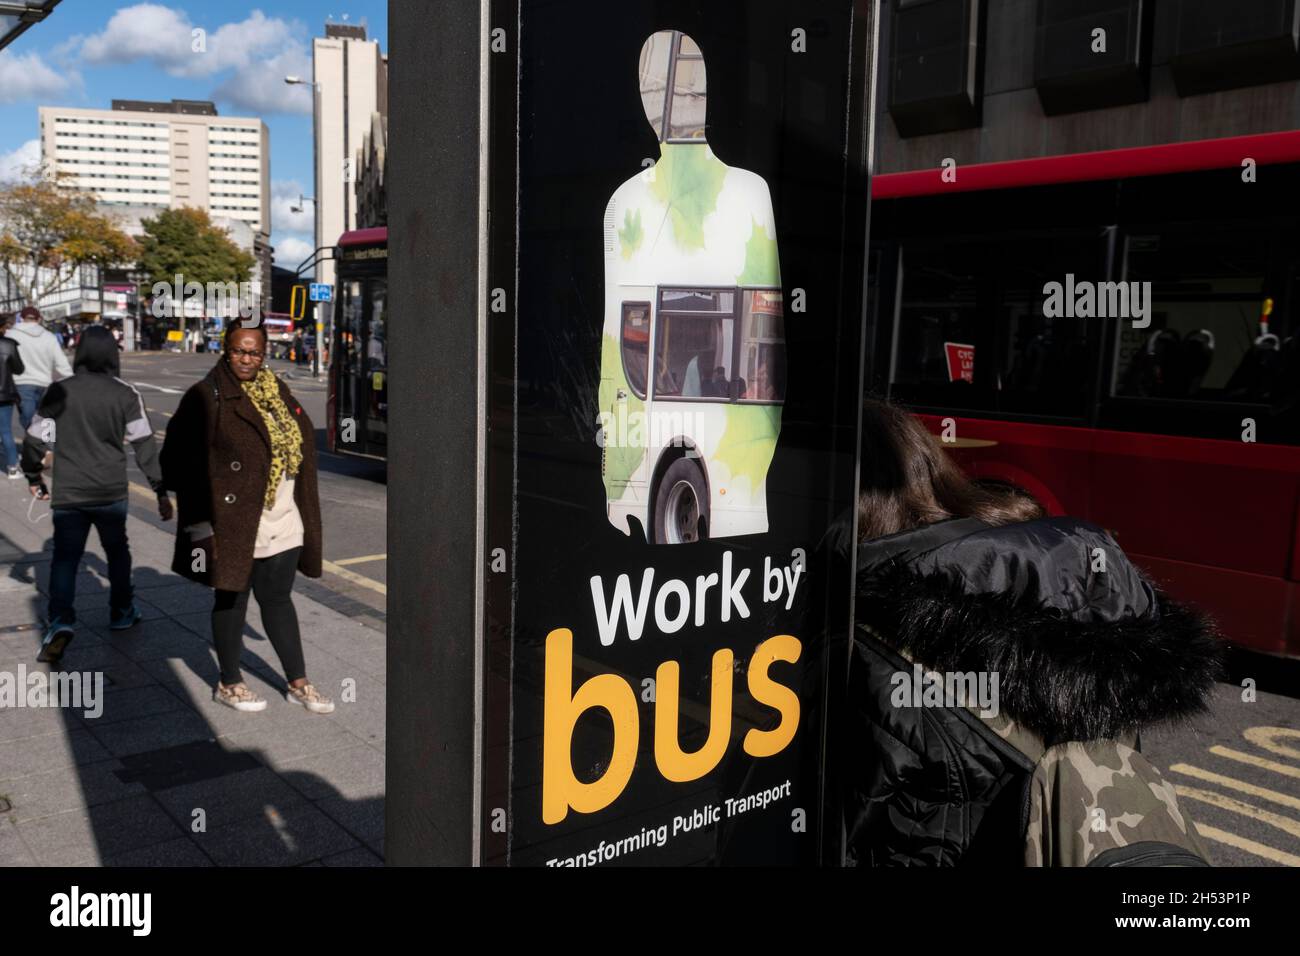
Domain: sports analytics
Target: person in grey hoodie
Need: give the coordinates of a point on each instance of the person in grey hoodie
(43, 360)
(88, 419)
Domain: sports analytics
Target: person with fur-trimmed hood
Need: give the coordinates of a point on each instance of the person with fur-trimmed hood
(1003, 667)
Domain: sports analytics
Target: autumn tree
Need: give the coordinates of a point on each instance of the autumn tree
(49, 230)
(187, 243)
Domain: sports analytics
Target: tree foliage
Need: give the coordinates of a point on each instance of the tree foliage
(49, 230)
(185, 242)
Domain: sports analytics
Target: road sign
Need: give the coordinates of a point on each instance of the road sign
(322, 292)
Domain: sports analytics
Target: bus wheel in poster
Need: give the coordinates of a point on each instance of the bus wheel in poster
(682, 505)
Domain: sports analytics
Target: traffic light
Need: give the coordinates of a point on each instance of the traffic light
(298, 302)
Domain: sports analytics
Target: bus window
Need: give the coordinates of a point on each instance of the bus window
(671, 54)
(636, 345)
(1208, 290)
(694, 337)
(1046, 363)
(762, 346)
(686, 118)
(935, 359)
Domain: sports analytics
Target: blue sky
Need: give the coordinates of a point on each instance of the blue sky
(90, 52)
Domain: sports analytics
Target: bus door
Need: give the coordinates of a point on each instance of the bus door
(626, 401)
(350, 339)
(374, 363)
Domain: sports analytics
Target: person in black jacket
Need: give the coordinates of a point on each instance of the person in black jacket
(11, 364)
(87, 419)
(1002, 668)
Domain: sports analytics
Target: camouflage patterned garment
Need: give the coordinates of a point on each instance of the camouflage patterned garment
(1099, 803)
(1102, 803)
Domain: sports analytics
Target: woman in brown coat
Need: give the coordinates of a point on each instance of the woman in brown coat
(241, 457)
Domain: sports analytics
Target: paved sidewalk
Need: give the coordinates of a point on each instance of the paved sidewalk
(165, 776)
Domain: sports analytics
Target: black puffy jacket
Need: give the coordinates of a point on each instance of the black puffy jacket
(11, 364)
(1085, 651)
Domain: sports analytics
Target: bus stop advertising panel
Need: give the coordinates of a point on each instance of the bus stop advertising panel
(672, 377)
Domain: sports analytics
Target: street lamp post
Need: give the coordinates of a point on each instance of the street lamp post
(315, 155)
(136, 277)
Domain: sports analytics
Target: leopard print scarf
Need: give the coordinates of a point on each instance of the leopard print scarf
(286, 439)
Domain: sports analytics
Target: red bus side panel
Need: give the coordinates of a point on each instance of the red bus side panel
(1215, 522)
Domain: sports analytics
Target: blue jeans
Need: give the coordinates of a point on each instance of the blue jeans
(7, 446)
(29, 396)
(71, 528)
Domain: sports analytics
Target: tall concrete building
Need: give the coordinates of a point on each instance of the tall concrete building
(163, 154)
(351, 76)
(142, 155)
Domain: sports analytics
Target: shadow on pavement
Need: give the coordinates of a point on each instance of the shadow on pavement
(165, 776)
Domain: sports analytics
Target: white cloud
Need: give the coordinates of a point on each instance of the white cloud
(146, 31)
(17, 163)
(284, 195)
(167, 37)
(27, 77)
(260, 87)
(290, 251)
(254, 54)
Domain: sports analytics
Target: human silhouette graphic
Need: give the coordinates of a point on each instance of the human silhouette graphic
(693, 352)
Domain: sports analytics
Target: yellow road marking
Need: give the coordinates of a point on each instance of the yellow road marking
(330, 566)
(1285, 824)
(344, 562)
(1250, 846)
(1285, 769)
(1232, 783)
(355, 578)
(143, 492)
(1263, 737)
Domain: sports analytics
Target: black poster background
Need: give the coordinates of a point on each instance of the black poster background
(566, 83)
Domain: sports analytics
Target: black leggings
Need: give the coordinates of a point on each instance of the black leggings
(272, 583)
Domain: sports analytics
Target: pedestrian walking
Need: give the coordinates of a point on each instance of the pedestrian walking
(240, 454)
(1003, 667)
(11, 364)
(43, 362)
(88, 419)
(298, 357)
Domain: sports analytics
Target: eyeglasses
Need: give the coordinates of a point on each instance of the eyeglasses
(248, 354)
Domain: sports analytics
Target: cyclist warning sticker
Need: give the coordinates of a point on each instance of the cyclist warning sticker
(961, 361)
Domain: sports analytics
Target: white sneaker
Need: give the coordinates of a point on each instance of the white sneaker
(311, 698)
(239, 697)
(14, 473)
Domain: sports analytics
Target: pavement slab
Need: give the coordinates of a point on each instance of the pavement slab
(281, 787)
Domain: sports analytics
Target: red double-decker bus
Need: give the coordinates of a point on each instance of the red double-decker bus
(357, 407)
(1166, 409)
